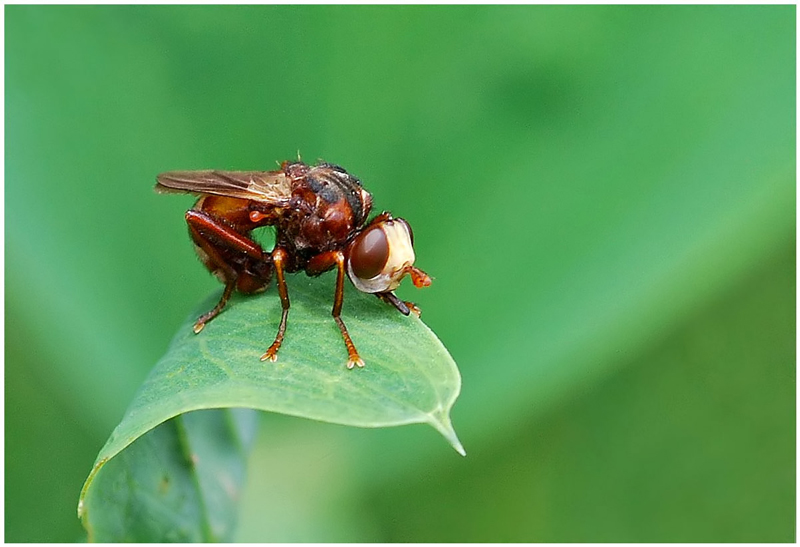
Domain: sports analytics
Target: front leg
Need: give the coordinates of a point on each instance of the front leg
(324, 262)
(403, 306)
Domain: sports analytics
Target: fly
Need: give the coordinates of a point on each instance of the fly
(320, 218)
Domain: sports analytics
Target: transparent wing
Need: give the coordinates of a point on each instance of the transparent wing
(264, 186)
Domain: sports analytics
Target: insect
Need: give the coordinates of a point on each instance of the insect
(319, 214)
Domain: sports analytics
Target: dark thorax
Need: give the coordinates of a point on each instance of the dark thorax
(328, 205)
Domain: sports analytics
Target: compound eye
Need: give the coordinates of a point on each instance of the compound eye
(370, 253)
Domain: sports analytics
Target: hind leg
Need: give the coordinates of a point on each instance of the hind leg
(216, 310)
(223, 252)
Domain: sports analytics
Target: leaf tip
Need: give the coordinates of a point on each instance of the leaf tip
(458, 446)
(441, 422)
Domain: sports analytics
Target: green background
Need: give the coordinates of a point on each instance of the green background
(605, 197)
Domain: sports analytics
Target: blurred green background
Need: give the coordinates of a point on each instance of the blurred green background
(605, 197)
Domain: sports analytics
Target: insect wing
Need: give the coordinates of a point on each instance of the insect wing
(263, 186)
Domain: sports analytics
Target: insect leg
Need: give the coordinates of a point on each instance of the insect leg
(213, 238)
(216, 310)
(206, 224)
(278, 258)
(322, 263)
(227, 273)
(402, 306)
(354, 359)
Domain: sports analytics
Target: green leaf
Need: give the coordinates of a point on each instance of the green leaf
(179, 482)
(409, 376)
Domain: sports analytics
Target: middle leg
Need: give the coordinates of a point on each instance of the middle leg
(278, 259)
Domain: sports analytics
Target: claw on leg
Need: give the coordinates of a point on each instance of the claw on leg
(355, 361)
(271, 354)
(413, 308)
